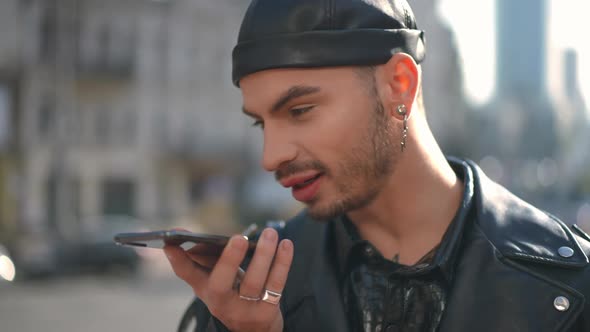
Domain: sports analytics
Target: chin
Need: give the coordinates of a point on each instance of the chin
(333, 209)
(325, 212)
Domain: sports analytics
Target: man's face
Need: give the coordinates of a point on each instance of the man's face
(326, 135)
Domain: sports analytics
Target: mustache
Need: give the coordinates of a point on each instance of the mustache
(297, 167)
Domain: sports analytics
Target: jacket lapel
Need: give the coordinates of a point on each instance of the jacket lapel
(312, 282)
(496, 294)
(329, 304)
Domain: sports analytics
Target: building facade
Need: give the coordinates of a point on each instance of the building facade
(121, 108)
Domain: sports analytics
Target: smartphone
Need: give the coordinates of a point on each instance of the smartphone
(184, 239)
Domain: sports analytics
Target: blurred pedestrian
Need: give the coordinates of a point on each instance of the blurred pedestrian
(395, 235)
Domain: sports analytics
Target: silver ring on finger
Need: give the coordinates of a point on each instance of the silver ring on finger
(248, 298)
(271, 297)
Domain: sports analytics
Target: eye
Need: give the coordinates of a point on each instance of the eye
(295, 112)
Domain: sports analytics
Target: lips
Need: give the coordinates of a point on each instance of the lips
(306, 182)
(304, 187)
(299, 180)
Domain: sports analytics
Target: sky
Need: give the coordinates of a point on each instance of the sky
(568, 23)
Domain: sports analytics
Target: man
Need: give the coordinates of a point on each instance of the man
(394, 237)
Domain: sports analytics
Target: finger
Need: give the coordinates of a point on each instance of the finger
(205, 249)
(280, 268)
(223, 275)
(186, 269)
(205, 261)
(257, 271)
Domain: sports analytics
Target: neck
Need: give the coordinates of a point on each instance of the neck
(417, 203)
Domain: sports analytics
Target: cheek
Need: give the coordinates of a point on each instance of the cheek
(332, 131)
(345, 123)
(334, 134)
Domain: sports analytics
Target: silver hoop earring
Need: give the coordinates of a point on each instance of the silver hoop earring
(402, 110)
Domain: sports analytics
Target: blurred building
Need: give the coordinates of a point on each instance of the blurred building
(447, 112)
(534, 132)
(526, 118)
(10, 38)
(521, 46)
(574, 127)
(517, 129)
(120, 107)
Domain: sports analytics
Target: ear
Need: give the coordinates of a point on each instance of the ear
(402, 77)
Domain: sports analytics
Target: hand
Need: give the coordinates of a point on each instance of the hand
(212, 280)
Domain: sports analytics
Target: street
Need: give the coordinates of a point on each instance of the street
(152, 301)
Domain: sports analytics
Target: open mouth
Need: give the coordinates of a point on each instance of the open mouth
(306, 182)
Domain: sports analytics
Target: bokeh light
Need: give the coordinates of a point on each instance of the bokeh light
(7, 269)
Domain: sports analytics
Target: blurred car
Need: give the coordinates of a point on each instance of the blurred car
(36, 254)
(96, 252)
(7, 268)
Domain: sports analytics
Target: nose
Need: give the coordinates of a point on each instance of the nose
(278, 149)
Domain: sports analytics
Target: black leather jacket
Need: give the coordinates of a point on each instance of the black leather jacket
(511, 274)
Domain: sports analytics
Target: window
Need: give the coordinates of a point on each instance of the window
(104, 46)
(48, 34)
(102, 124)
(46, 118)
(60, 186)
(5, 116)
(118, 197)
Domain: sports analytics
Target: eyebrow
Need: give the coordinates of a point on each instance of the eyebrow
(293, 92)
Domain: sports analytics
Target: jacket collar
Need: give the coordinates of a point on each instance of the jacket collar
(519, 230)
(496, 288)
(492, 293)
